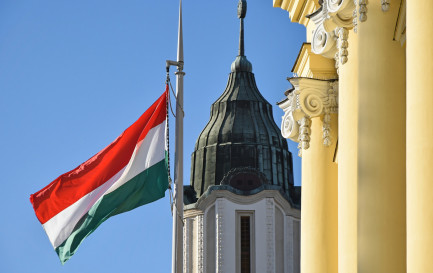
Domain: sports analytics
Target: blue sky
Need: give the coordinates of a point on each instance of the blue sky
(75, 74)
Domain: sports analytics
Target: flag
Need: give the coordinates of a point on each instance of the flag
(128, 173)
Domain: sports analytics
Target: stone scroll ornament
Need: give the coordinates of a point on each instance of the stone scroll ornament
(305, 103)
(333, 21)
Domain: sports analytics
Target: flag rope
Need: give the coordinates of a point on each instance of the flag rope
(170, 181)
(167, 134)
(177, 104)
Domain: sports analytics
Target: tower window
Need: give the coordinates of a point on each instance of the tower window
(245, 245)
(245, 253)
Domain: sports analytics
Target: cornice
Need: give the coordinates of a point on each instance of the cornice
(311, 98)
(311, 65)
(192, 213)
(299, 62)
(224, 192)
(298, 9)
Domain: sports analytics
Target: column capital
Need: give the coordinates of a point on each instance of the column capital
(333, 21)
(309, 98)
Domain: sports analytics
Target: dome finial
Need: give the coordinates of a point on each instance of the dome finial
(242, 11)
(241, 63)
(242, 8)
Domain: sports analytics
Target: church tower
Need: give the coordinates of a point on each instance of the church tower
(242, 210)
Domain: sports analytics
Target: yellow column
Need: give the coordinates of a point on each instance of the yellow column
(419, 137)
(319, 229)
(348, 160)
(381, 144)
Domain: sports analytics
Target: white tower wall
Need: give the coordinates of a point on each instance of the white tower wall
(212, 233)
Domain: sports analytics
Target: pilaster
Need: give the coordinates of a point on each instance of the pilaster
(366, 38)
(311, 119)
(381, 155)
(270, 235)
(201, 233)
(419, 144)
(187, 245)
(288, 247)
(220, 235)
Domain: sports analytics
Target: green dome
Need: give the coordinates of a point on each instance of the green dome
(241, 148)
(241, 132)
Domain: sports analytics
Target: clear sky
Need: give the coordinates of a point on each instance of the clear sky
(75, 74)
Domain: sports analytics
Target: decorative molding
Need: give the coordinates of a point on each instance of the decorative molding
(298, 9)
(200, 244)
(333, 21)
(385, 5)
(327, 130)
(337, 62)
(311, 65)
(187, 245)
(187, 213)
(288, 245)
(270, 235)
(332, 108)
(241, 172)
(343, 44)
(304, 136)
(340, 12)
(332, 99)
(220, 234)
(362, 10)
(206, 202)
(323, 42)
(310, 98)
(355, 19)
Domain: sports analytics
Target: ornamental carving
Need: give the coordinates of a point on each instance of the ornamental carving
(355, 20)
(244, 178)
(333, 20)
(200, 243)
(310, 98)
(385, 5)
(270, 236)
(304, 135)
(343, 44)
(362, 10)
(187, 245)
(220, 234)
(324, 42)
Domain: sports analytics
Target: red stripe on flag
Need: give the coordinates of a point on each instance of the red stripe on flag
(73, 185)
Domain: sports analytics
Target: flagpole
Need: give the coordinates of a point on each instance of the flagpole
(177, 245)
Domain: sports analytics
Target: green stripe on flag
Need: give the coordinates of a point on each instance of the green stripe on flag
(146, 187)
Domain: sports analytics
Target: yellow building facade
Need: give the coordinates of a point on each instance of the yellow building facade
(360, 111)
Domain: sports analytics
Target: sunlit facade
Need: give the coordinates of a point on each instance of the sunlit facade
(360, 110)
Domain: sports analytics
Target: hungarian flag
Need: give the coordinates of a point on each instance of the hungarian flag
(130, 172)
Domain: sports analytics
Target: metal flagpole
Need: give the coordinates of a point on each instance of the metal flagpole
(177, 245)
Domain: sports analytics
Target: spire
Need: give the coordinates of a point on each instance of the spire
(241, 63)
(242, 11)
